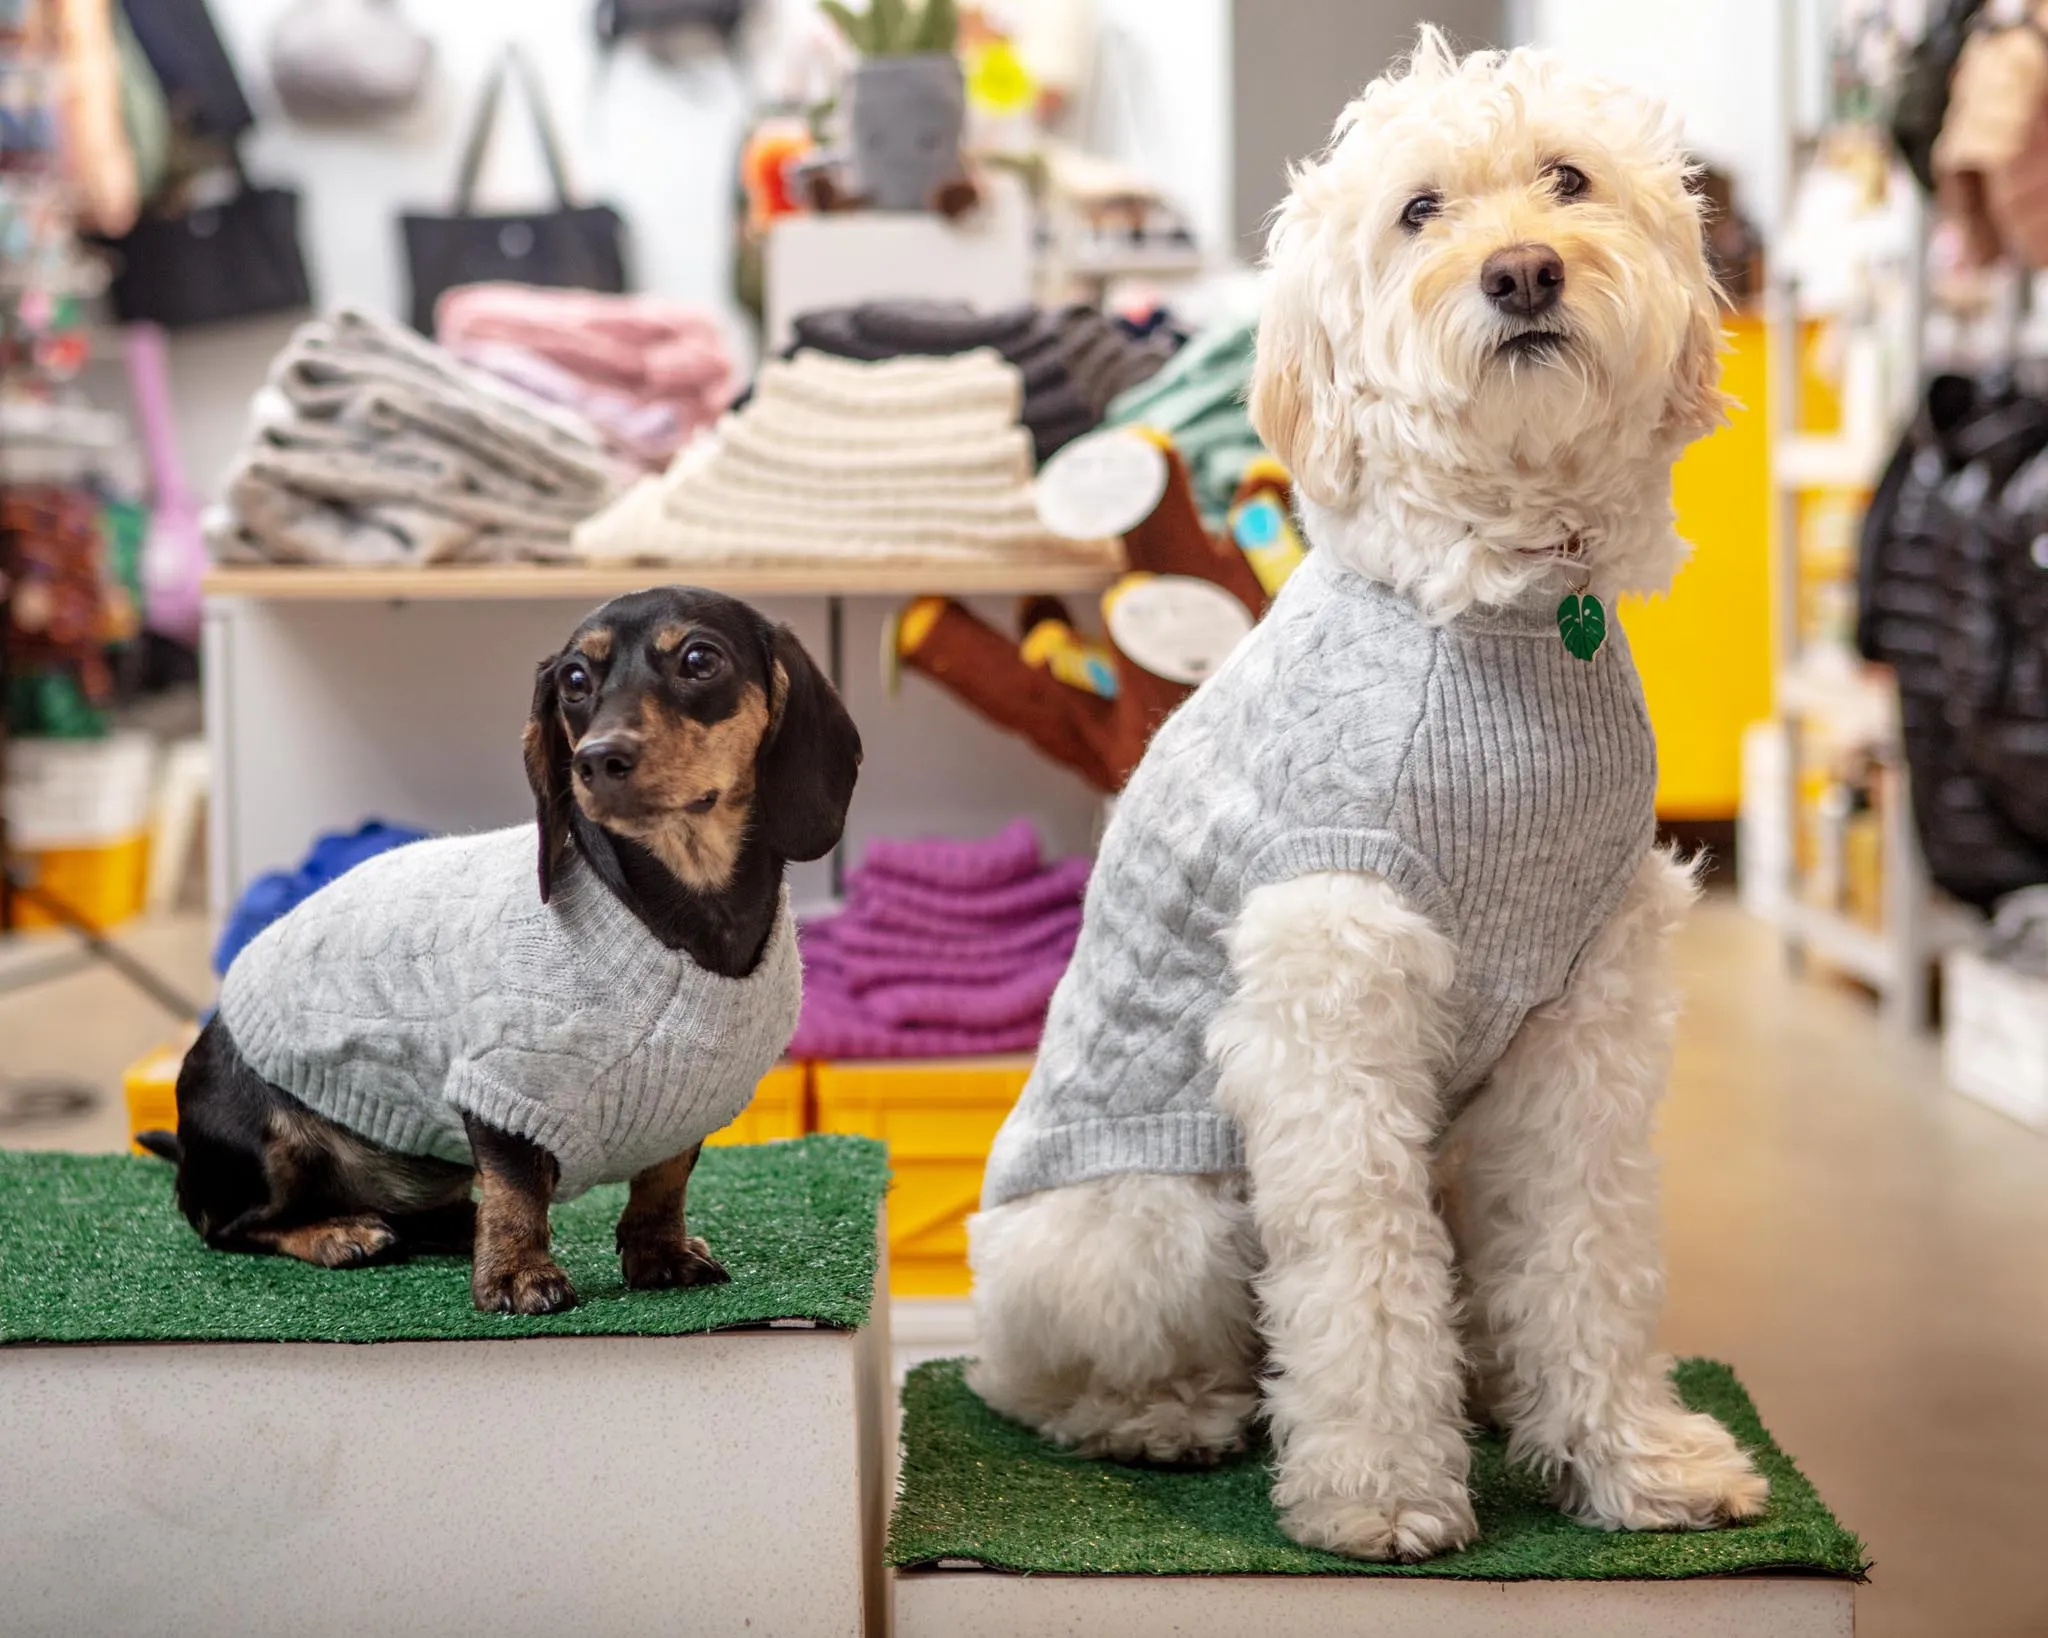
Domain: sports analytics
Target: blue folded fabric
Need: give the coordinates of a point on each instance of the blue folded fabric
(272, 894)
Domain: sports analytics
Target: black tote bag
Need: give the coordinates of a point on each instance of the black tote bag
(236, 259)
(568, 247)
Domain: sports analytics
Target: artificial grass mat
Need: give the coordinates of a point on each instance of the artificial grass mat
(981, 1488)
(92, 1249)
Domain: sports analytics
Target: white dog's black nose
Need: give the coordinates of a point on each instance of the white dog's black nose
(1523, 279)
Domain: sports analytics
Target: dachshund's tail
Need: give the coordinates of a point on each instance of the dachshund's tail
(164, 1145)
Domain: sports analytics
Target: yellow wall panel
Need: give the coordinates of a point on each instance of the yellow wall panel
(1705, 650)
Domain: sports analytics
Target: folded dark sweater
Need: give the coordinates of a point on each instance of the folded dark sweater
(1074, 359)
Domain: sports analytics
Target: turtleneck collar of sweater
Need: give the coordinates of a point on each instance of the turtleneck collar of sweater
(723, 932)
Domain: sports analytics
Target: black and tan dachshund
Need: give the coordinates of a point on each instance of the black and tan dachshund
(682, 750)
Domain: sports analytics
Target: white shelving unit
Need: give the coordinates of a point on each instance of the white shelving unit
(1822, 693)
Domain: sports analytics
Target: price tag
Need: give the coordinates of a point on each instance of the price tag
(1103, 485)
(1174, 625)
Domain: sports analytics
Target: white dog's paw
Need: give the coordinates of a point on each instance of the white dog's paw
(1407, 1530)
(1193, 1423)
(1679, 1472)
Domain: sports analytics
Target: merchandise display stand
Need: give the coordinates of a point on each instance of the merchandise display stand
(831, 259)
(997, 1533)
(710, 1460)
(335, 695)
(1824, 695)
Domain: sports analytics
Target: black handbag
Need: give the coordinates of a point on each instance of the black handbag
(617, 20)
(185, 53)
(236, 259)
(580, 248)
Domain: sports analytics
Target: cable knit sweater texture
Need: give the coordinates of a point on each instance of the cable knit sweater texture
(1504, 787)
(431, 980)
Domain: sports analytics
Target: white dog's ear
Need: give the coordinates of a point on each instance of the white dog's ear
(1294, 401)
(1697, 404)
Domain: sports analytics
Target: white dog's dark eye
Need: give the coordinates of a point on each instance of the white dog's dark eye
(1569, 181)
(1420, 209)
(701, 660)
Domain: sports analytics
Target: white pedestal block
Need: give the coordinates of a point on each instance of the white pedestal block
(984, 1604)
(733, 1483)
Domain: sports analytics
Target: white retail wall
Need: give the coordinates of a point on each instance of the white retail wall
(657, 142)
(1717, 64)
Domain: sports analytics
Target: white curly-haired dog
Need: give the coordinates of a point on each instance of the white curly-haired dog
(1346, 1101)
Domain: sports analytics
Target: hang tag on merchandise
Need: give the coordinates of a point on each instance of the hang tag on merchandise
(1101, 486)
(1174, 625)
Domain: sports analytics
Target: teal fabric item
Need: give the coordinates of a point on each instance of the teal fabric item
(1198, 399)
(1503, 787)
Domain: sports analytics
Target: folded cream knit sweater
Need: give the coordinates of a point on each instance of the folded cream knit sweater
(834, 460)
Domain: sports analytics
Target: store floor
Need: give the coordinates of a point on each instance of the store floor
(1869, 1250)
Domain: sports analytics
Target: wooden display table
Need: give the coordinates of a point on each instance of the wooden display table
(711, 1460)
(337, 695)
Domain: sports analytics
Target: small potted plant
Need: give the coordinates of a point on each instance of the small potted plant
(906, 101)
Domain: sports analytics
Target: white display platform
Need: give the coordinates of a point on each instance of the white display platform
(984, 259)
(736, 1482)
(987, 1604)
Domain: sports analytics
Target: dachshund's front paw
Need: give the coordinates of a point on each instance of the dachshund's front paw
(655, 1264)
(537, 1286)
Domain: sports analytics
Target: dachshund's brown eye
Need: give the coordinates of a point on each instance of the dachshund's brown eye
(1420, 209)
(575, 683)
(700, 661)
(1568, 181)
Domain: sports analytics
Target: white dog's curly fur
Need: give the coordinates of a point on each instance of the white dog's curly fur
(1435, 452)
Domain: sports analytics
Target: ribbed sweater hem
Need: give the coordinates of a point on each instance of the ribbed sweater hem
(579, 1155)
(1184, 1141)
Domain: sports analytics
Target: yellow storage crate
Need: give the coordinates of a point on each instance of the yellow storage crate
(780, 1109)
(151, 1088)
(106, 883)
(938, 1116)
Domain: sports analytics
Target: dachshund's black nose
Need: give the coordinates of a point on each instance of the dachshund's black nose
(607, 762)
(1523, 279)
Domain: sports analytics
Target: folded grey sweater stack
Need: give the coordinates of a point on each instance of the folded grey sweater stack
(371, 446)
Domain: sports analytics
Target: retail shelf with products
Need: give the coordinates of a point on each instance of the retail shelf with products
(1845, 363)
(496, 582)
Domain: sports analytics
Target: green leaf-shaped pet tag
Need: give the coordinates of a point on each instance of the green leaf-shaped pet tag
(1582, 623)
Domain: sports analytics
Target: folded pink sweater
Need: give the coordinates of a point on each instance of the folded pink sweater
(642, 349)
(945, 948)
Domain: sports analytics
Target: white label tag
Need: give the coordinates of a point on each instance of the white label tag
(1174, 625)
(1102, 485)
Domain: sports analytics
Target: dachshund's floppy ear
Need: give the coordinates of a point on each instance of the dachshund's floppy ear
(546, 744)
(809, 758)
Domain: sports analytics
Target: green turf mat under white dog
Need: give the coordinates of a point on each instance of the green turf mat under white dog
(977, 1487)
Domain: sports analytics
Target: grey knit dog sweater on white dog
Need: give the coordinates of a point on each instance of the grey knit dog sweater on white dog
(431, 980)
(1505, 788)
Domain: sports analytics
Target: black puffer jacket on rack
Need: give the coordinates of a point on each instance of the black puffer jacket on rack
(1944, 583)
(2006, 729)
